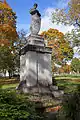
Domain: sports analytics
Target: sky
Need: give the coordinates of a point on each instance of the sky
(45, 7)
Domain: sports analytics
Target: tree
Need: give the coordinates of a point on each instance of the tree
(75, 65)
(74, 38)
(65, 69)
(8, 36)
(8, 32)
(71, 15)
(61, 50)
(21, 41)
(7, 60)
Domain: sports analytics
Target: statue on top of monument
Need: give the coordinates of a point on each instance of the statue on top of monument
(35, 20)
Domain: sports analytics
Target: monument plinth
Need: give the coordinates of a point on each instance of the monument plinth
(35, 60)
(35, 66)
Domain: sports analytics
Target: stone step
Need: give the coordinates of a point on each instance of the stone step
(53, 87)
(58, 93)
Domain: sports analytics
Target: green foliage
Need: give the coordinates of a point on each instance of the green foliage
(16, 107)
(6, 60)
(75, 65)
(71, 107)
(68, 82)
(74, 38)
(69, 15)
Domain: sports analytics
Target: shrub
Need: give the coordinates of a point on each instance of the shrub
(71, 107)
(16, 107)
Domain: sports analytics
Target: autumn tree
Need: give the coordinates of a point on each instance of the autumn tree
(8, 36)
(71, 15)
(61, 50)
(8, 32)
(65, 69)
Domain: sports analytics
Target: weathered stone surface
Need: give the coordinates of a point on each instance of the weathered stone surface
(35, 40)
(53, 88)
(35, 20)
(35, 67)
(58, 93)
(35, 24)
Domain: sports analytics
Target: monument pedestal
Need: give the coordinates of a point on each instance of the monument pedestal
(35, 66)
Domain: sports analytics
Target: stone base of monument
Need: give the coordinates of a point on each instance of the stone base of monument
(40, 89)
(35, 68)
(37, 89)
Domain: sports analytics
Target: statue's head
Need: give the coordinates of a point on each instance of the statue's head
(35, 5)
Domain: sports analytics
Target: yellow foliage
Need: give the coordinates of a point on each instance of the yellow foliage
(8, 32)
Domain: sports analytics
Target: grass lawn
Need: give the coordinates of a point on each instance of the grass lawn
(6, 83)
(6, 86)
(68, 75)
(70, 84)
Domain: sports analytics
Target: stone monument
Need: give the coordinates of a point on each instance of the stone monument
(35, 60)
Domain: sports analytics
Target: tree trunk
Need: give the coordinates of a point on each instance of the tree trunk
(9, 74)
(4, 71)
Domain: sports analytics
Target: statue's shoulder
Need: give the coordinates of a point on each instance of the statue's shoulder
(38, 13)
(32, 11)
